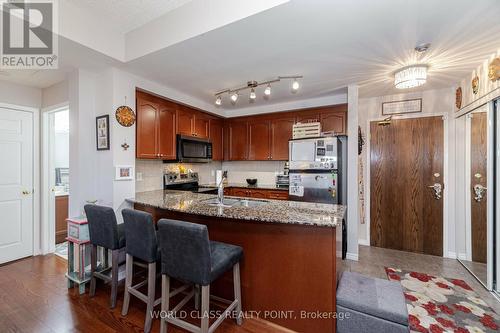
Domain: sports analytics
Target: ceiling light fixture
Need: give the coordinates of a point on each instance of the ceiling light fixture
(234, 97)
(252, 85)
(410, 76)
(218, 101)
(252, 94)
(267, 91)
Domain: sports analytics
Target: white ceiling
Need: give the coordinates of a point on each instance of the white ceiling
(127, 15)
(333, 43)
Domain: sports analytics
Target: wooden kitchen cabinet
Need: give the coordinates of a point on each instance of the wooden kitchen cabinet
(146, 128)
(166, 131)
(216, 135)
(62, 205)
(237, 141)
(185, 121)
(258, 194)
(277, 195)
(281, 133)
(334, 121)
(201, 125)
(259, 140)
(239, 192)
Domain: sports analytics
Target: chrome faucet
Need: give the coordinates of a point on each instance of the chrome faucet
(220, 191)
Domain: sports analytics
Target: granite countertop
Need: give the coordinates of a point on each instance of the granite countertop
(275, 211)
(245, 185)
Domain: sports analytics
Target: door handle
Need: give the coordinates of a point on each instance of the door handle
(26, 192)
(479, 191)
(437, 190)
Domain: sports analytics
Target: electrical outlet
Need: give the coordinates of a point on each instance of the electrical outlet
(212, 173)
(138, 177)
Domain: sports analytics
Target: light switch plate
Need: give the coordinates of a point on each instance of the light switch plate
(138, 176)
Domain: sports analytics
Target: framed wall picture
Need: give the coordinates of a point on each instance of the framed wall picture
(102, 132)
(124, 172)
(402, 107)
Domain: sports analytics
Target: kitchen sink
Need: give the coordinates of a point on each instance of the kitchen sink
(230, 202)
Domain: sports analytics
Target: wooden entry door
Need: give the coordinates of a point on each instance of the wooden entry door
(479, 161)
(406, 158)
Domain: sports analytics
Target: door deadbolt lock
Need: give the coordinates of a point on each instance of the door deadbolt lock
(479, 191)
(437, 190)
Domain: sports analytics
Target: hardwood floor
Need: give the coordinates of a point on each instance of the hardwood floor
(34, 298)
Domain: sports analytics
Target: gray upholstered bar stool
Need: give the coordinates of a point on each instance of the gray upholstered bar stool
(106, 232)
(188, 254)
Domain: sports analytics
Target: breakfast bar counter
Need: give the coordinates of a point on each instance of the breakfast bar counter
(289, 269)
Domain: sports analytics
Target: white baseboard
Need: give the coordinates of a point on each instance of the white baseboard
(364, 242)
(462, 256)
(352, 256)
(451, 255)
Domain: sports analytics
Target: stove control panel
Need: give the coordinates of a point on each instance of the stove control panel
(176, 177)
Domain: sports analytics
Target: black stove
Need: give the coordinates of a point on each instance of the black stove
(185, 182)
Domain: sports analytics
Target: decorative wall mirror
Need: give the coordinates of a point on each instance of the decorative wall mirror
(474, 193)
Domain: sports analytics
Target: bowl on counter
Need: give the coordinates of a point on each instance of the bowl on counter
(251, 181)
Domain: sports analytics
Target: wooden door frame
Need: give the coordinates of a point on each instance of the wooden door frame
(36, 171)
(446, 180)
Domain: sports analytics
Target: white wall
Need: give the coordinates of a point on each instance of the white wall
(16, 94)
(55, 95)
(433, 102)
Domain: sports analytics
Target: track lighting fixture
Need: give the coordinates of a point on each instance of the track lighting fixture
(218, 101)
(253, 85)
(267, 91)
(234, 97)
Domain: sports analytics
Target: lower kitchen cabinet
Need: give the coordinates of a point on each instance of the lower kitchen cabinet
(257, 193)
(62, 205)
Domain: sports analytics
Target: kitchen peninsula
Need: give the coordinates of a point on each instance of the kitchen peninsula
(289, 269)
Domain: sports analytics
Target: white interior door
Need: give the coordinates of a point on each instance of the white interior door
(16, 184)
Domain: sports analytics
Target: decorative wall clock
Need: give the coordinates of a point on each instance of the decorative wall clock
(458, 97)
(494, 69)
(475, 85)
(125, 116)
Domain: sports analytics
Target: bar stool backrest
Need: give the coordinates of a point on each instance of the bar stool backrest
(140, 235)
(103, 228)
(185, 251)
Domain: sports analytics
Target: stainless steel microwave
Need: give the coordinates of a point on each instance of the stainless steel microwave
(193, 150)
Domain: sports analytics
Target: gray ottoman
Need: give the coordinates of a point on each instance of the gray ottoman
(370, 305)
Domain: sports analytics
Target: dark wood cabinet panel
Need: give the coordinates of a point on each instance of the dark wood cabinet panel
(201, 125)
(166, 131)
(146, 129)
(281, 133)
(62, 205)
(333, 121)
(238, 141)
(216, 134)
(239, 192)
(259, 194)
(307, 116)
(277, 195)
(185, 121)
(259, 138)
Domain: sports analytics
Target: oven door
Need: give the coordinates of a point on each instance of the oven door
(193, 150)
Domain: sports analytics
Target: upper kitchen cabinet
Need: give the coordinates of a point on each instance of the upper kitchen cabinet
(185, 120)
(259, 140)
(147, 127)
(237, 140)
(334, 119)
(166, 130)
(201, 125)
(216, 130)
(281, 133)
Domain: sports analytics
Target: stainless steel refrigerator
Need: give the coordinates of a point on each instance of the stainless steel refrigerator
(318, 173)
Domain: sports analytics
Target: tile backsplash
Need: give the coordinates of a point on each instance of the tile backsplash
(149, 173)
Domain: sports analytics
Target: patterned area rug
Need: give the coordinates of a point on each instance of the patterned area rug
(436, 304)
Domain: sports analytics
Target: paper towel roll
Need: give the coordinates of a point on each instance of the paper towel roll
(218, 177)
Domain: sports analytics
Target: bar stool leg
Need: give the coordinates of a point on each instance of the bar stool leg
(129, 272)
(93, 266)
(151, 296)
(165, 298)
(205, 308)
(197, 297)
(114, 277)
(237, 292)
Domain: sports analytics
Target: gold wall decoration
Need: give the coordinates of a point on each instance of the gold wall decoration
(494, 69)
(125, 116)
(475, 85)
(458, 97)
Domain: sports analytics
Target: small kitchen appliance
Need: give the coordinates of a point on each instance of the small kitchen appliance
(193, 150)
